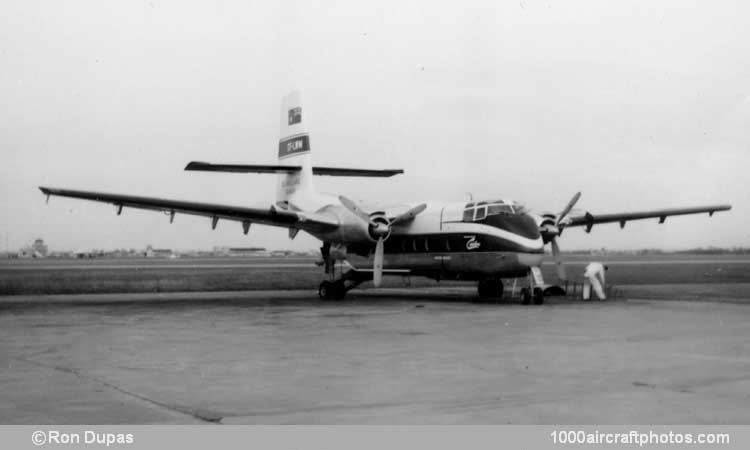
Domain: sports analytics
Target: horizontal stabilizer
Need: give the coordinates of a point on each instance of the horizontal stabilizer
(240, 168)
(254, 168)
(344, 172)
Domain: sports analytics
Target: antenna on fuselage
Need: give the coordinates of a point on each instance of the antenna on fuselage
(471, 197)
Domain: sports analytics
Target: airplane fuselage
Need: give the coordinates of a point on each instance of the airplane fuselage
(445, 241)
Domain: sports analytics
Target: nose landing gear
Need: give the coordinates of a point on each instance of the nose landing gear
(492, 288)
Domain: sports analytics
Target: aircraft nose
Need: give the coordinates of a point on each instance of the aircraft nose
(530, 227)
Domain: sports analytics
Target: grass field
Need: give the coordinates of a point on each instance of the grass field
(232, 274)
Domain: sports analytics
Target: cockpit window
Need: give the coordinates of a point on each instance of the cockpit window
(476, 212)
(499, 208)
(480, 213)
(518, 208)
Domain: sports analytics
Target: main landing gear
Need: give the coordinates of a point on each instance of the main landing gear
(336, 289)
(528, 295)
(332, 290)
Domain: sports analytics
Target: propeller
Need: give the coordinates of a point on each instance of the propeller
(558, 260)
(379, 228)
(568, 207)
(551, 232)
(377, 265)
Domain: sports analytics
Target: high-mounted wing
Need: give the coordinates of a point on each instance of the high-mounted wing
(267, 216)
(588, 220)
(316, 170)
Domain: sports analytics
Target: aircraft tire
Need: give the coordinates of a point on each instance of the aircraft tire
(538, 296)
(498, 288)
(482, 289)
(525, 296)
(325, 290)
(339, 290)
(490, 288)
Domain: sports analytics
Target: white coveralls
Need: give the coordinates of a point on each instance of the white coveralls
(594, 276)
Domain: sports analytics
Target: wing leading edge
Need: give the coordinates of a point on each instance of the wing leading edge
(588, 220)
(267, 216)
(316, 170)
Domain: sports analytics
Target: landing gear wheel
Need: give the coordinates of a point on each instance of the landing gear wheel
(490, 288)
(538, 296)
(525, 296)
(339, 289)
(325, 290)
(335, 290)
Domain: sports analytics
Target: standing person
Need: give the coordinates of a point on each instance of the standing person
(594, 276)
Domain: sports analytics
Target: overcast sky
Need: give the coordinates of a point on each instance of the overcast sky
(639, 105)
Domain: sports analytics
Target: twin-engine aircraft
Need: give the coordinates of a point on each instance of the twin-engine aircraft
(484, 241)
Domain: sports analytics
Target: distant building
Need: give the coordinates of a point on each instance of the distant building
(245, 251)
(36, 250)
(39, 247)
(82, 254)
(240, 251)
(158, 252)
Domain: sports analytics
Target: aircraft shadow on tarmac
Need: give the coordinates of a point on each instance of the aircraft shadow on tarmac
(279, 298)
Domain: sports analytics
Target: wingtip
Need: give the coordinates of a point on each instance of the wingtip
(196, 165)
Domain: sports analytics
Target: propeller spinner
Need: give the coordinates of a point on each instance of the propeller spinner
(379, 228)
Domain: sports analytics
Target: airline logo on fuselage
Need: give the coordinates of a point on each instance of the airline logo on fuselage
(294, 145)
(472, 243)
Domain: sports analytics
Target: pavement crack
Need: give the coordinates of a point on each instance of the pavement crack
(206, 416)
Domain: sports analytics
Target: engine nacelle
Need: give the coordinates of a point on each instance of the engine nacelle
(547, 225)
(351, 231)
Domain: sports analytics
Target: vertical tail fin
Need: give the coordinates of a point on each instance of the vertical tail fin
(294, 150)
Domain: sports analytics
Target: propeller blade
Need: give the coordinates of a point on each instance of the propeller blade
(356, 210)
(567, 209)
(558, 260)
(377, 266)
(409, 215)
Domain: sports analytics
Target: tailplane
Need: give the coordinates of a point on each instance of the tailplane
(294, 169)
